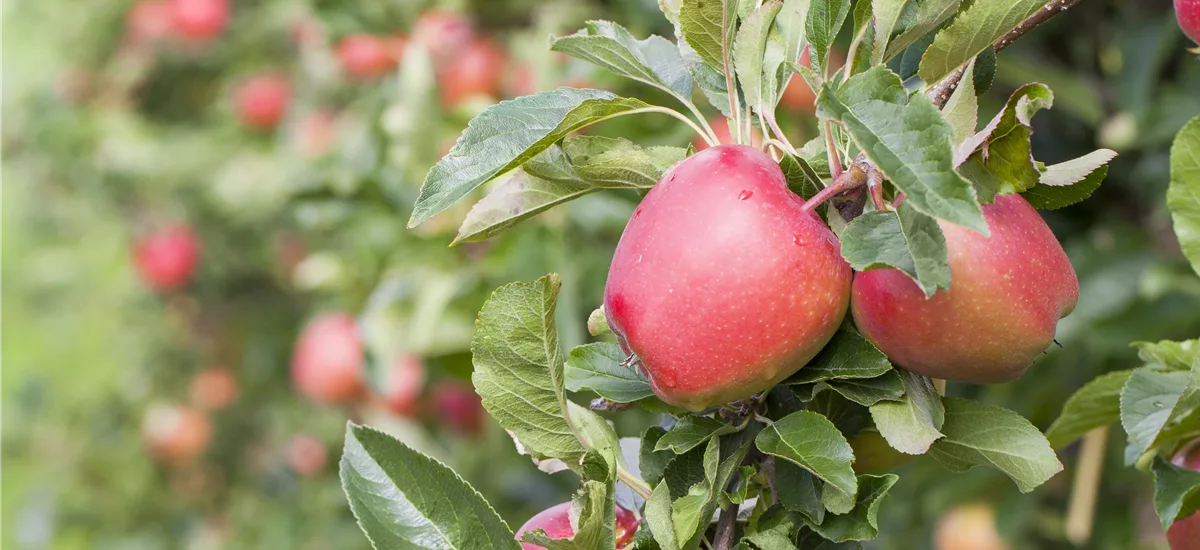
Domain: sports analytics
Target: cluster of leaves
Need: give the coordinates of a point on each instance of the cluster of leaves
(1157, 404)
(781, 463)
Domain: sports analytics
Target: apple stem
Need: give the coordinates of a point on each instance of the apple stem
(875, 187)
(640, 487)
(835, 162)
(779, 135)
(1081, 511)
(853, 178)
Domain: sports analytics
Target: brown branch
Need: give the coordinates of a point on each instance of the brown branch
(941, 92)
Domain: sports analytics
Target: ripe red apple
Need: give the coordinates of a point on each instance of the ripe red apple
(176, 434)
(555, 521)
(457, 407)
(366, 57)
(1185, 533)
(1188, 14)
(148, 21)
(968, 527)
(166, 259)
(199, 20)
(306, 454)
(327, 363)
(477, 71)
(262, 100)
(402, 384)
(1007, 293)
(445, 34)
(214, 389)
(722, 284)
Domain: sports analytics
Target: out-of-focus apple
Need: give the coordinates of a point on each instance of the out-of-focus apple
(477, 71)
(327, 363)
(167, 258)
(402, 384)
(214, 389)
(968, 527)
(445, 34)
(198, 20)
(457, 407)
(262, 100)
(306, 454)
(176, 434)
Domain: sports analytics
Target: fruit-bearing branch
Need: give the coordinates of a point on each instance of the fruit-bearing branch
(941, 92)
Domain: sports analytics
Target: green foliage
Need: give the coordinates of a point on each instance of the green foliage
(1183, 196)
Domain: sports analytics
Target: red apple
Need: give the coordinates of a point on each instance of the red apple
(366, 57)
(199, 20)
(1184, 534)
(722, 284)
(314, 134)
(555, 521)
(262, 100)
(968, 527)
(214, 389)
(1007, 293)
(402, 384)
(176, 434)
(456, 406)
(478, 71)
(1188, 14)
(306, 454)
(148, 21)
(445, 34)
(327, 363)
(166, 259)
(720, 126)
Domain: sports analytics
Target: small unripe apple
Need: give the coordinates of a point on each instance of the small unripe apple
(148, 21)
(968, 527)
(306, 455)
(1007, 293)
(555, 521)
(262, 100)
(327, 363)
(199, 20)
(366, 57)
(166, 259)
(457, 407)
(1185, 533)
(477, 71)
(445, 34)
(1188, 14)
(214, 389)
(402, 384)
(176, 434)
(722, 283)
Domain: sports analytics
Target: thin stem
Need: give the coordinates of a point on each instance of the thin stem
(850, 179)
(835, 162)
(774, 125)
(709, 135)
(640, 487)
(1081, 512)
(875, 187)
(763, 419)
(711, 140)
(940, 92)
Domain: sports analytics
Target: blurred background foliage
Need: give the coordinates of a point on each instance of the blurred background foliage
(108, 138)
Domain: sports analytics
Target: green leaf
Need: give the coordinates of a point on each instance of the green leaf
(801, 178)
(998, 159)
(690, 432)
(930, 15)
(1075, 170)
(979, 434)
(710, 80)
(1176, 491)
(976, 28)
(869, 391)
(962, 109)
(518, 367)
(1096, 404)
(399, 498)
(658, 517)
(786, 43)
(1153, 400)
(654, 61)
(825, 19)
(907, 138)
(652, 463)
(597, 367)
(985, 71)
(517, 196)
(810, 540)
(847, 355)
(861, 523)
(864, 34)
(506, 135)
(1172, 355)
(904, 239)
(593, 507)
(798, 490)
(1045, 197)
(913, 423)
(847, 416)
(1183, 196)
(749, 48)
(885, 15)
(775, 530)
(617, 163)
(688, 509)
(813, 442)
(708, 26)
